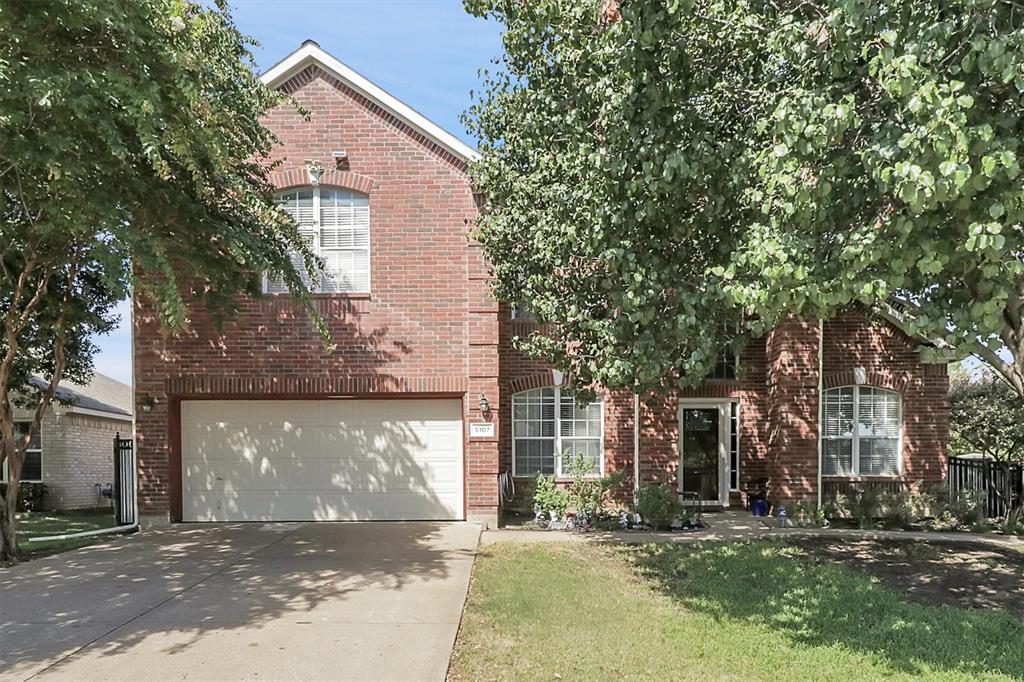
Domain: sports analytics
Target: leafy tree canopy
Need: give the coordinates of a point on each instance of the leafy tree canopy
(661, 173)
(986, 415)
(131, 157)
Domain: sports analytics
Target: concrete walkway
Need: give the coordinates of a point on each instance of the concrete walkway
(355, 601)
(737, 526)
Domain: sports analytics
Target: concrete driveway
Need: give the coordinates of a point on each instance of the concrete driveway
(268, 601)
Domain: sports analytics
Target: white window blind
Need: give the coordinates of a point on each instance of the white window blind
(337, 225)
(862, 430)
(549, 428)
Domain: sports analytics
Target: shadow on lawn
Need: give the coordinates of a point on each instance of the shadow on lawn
(774, 585)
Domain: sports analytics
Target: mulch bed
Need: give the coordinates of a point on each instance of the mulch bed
(947, 573)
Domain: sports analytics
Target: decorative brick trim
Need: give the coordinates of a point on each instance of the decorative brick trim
(712, 389)
(260, 386)
(887, 380)
(298, 176)
(532, 381)
(308, 74)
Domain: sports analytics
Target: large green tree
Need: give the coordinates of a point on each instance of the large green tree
(664, 172)
(131, 157)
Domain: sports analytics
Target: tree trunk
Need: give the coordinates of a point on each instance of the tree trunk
(8, 540)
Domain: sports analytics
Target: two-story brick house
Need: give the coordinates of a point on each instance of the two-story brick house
(425, 401)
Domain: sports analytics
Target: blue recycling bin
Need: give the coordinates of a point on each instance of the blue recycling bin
(759, 507)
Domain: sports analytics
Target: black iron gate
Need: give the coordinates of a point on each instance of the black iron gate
(125, 497)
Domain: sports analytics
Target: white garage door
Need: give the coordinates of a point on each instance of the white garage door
(330, 460)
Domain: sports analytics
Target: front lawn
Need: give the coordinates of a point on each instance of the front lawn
(40, 524)
(754, 610)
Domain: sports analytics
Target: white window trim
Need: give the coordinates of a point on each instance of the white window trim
(557, 437)
(316, 246)
(739, 449)
(4, 471)
(856, 435)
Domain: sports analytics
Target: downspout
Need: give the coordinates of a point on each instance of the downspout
(821, 392)
(636, 444)
(135, 432)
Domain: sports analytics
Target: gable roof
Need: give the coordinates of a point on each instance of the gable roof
(310, 53)
(101, 394)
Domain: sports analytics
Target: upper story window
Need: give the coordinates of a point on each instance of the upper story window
(522, 312)
(862, 432)
(336, 223)
(726, 365)
(549, 429)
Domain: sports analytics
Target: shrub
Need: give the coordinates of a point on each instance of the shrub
(837, 508)
(968, 507)
(588, 496)
(548, 499)
(1013, 524)
(657, 505)
(903, 508)
(865, 506)
(807, 515)
(31, 496)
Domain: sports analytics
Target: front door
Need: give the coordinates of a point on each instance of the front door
(703, 456)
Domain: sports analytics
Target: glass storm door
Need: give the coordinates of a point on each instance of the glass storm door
(703, 435)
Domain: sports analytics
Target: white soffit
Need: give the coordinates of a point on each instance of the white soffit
(311, 53)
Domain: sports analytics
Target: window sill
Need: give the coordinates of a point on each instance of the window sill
(352, 296)
(854, 477)
(558, 479)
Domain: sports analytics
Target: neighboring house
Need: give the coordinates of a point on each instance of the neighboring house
(72, 452)
(425, 401)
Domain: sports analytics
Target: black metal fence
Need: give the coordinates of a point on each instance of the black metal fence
(125, 487)
(1002, 483)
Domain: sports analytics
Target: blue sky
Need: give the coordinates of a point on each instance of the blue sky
(425, 52)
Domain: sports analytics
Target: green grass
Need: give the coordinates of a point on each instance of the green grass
(756, 610)
(41, 524)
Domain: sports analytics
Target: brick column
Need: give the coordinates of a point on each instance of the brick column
(482, 453)
(792, 381)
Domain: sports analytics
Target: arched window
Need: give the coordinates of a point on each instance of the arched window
(336, 222)
(862, 432)
(549, 428)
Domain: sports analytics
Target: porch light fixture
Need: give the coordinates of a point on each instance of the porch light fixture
(483, 404)
(147, 403)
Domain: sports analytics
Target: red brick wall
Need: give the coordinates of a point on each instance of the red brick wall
(892, 361)
(428, 327)
(777, 389)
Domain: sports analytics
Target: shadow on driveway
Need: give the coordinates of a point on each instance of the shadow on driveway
(297, 601)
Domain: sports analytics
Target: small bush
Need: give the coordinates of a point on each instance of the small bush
(837, 508)
(903, 508)
(657, 505)
(548, 500)
(589, 496)
(806, 515)
(965, 510)
(1013, 524)
(968, 507)
(31, 496)
(866, 507)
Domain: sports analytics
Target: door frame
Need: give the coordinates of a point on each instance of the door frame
(724, 407)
